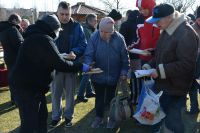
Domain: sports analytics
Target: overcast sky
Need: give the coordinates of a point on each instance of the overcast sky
(51, 5)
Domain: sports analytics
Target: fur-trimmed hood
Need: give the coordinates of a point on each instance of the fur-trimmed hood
(179, 19)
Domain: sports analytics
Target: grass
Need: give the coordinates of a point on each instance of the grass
(83, 116)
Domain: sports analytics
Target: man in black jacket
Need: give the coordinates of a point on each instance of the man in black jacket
(11, 39)
(31, 76)
(129, 30)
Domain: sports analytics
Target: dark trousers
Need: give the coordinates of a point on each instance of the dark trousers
(104, 94)
(32, 110)
(172, 106)
(193, 93)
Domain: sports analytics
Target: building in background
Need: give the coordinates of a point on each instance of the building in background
(80, 10)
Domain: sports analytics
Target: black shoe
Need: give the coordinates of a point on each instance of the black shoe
(90, 95)
(192, 112)
(82, 99)
(55, 123)
(12, 103)
(68, 123)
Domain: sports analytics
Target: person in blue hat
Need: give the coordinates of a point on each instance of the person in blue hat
(174, 63)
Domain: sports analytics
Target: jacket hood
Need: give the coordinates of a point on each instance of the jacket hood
(5, 25)
(146, 4)
(39, 28)
(133, 15)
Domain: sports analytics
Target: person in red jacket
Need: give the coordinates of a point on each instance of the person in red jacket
(148, 34)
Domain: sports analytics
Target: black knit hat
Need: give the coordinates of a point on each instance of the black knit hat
(114, 14)
(198, 12)
(52, 21)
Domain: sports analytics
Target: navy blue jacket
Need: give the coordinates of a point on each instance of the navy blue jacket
(75, 37)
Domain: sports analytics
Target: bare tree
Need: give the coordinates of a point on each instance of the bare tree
(112, 4)
(181, 5)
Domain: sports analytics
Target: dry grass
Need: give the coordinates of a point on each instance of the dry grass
(84, 114)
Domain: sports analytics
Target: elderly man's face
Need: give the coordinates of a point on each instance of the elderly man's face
(163, 23)
(105, 35)
(64, 15)
(24, 24)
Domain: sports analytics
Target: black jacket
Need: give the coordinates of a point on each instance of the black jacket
(128, 29)
(37, 58)
(11, 39)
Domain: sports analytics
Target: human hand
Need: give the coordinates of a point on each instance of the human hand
(154, 74)
(123, 77)
(146, 67)
(146, 52)
(72, 55)
(86, 68)
(150, 51)
(131, 46)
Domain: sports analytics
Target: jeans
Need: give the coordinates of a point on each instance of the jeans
(104, 94)
(85, 85)
(172, 106)
(63, 83)
(193, 93)
(32, 110)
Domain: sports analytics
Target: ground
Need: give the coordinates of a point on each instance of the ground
(84, 114)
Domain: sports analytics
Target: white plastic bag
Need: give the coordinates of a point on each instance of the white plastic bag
(149, 112)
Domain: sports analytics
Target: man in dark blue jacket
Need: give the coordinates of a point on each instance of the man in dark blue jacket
(72, 43)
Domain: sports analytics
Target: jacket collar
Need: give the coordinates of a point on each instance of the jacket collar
(179, 19)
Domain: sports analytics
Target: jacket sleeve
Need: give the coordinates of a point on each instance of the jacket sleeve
(58, 63)
(186, 53)
(82, 42)
(15, 38)
(87, 34)
(124, 59)
(90, 51)
(123, 30)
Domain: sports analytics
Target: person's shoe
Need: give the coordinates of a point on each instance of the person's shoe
(97, 122)
(192, 112)
(111, 124)
(55, 123)
(90, 95)
(68, 123)
(82, 99)
(12, 103)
